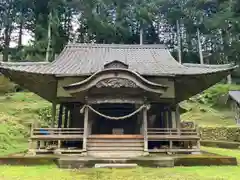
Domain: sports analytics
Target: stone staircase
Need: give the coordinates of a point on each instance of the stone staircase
(119, 147)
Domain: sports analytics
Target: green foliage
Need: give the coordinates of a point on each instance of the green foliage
(6, 86)
(45, 115)
(17, 112)
(210, 107)
(213, 95)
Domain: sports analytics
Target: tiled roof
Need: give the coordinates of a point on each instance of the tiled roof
(86, 59)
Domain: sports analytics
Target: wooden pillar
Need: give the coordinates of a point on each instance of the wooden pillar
(173, 115)
(170, 124)
(145, 132)
(32, 147)
(71, 116)
(198, 145)
(166, 119)
(60, 116)
(53, 114)
(66, 117)
(85, 132)
(178, 120)
(170, 144)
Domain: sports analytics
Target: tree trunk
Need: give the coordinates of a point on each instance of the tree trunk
(179, 43)
(20, 33)
(141, 36)
(200, 46)
(7, 39)
(49, 37)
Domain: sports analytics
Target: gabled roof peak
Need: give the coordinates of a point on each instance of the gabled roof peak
(116, 64)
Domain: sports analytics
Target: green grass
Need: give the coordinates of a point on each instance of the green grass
(177, 173)
(51, 172)
(206, 115)
(224, 152)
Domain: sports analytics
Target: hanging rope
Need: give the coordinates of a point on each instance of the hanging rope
(112, 117)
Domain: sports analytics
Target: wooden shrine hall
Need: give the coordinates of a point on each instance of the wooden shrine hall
(114, 100)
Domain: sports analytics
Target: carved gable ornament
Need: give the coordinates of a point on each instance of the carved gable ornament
(116, 83)
(115, 64)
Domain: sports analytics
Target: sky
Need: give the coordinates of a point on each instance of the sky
(25, 38)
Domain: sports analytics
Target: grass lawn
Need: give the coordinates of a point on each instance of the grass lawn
(206, 115)
(224, 152)
(177, 173)
(51, 172)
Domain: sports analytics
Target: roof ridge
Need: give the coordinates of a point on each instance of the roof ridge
(120, 46)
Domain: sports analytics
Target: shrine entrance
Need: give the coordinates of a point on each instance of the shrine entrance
(106, 126)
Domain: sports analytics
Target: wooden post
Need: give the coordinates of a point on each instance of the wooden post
(53, 114)
(198, 145)
(60, 116)
(66, 117)
(173, 115)
(145, 132)
(31, 148)
(85, 133)
(170, 119)
(170, 144)
(178, 123)
(166, 119)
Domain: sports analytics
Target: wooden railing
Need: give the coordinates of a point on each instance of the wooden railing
(172, 132)
(57, 133)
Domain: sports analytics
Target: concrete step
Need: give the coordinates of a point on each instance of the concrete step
(115, 165)
(115, 154)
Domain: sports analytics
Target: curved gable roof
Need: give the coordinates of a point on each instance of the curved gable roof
(87, 59)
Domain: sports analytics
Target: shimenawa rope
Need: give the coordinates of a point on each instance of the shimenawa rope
(112, 117)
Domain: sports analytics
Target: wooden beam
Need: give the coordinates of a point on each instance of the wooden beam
(85, 133)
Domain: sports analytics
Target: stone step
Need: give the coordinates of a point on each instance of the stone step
(115, 165)
(118, 148)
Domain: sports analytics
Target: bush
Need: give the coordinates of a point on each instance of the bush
(6, 85)
(45, 115)
(220, 133)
